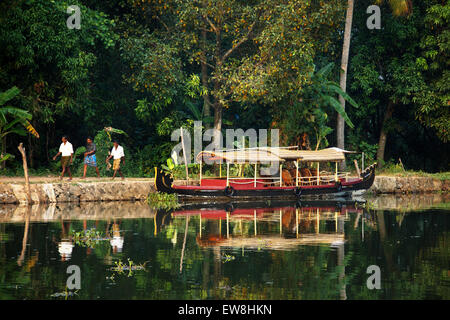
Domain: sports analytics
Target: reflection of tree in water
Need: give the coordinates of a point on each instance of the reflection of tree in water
(418, 243)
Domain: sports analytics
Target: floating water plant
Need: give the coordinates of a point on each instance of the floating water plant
(122, 268)
(64, 294)
(161, 200)
(88, 238)
(227, 258)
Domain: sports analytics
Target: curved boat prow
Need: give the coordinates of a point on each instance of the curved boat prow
(163, 181)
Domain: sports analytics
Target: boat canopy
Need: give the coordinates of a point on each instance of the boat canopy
(272, 154)
(256, 155)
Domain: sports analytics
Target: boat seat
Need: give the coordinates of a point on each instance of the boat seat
(287, 178)
(305, 172)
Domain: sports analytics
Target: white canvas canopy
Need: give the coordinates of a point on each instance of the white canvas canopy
(270, 154)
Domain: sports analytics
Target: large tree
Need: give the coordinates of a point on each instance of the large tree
(49, 62)
(399, 8)
(257, 51)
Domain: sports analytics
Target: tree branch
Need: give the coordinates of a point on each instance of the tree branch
(211, 24)
(230, 51)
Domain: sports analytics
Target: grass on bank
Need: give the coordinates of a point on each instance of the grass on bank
(398, 171)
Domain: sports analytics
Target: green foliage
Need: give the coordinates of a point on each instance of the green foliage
(150, 67)
(121, 268)
(161, 200)
(313, 107)
(12, 120)
(88, 238)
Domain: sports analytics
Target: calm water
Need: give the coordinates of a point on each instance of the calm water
(251, 251)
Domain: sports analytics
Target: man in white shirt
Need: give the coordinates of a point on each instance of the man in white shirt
(118, 154)
(66, 152)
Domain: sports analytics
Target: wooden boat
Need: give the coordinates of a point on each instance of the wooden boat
(304, 184)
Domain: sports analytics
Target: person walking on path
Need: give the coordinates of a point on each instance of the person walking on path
(66, 152)
(89, 157)
(118, 154)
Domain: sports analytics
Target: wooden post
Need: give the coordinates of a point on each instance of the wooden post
(25, 237)
(254, 181)
(25, 170)
(336, 221)
(228, 227)
(336, 173)
(318, 169)
(184, 156)
(200, 173)
(357, 168)
(254, 213)
(184, 243)
(281, 222)
(401, 163)
(318, 221)
(362, 162)
(296, 221)
(281, 175)
(296, 175)
(228, 174)
(220, 168)
(200, 225)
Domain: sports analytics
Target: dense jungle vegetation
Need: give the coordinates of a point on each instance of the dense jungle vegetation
(148, 67)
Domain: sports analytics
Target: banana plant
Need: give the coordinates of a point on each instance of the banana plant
(19, 125)
(326, 91)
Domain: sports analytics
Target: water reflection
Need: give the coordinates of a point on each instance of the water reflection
(265, 250)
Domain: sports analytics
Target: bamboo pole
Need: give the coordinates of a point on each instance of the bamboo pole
(25, 170)
(318, 169)
(184, 156)
(228, 174)
(357, 168)
(184, 243)
(254, 181)
(25, 237)
(200, 228)
(228, 227)
(281, 222)
(281, 175)
(318, 221)
(336, 173)
(254, 213)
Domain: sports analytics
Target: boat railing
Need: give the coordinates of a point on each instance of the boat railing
(301, 180)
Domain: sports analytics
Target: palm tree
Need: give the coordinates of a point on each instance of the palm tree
(19, 117)
(399, 8)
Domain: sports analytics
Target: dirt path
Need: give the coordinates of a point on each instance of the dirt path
(55, 179)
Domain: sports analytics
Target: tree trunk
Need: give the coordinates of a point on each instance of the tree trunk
(217, 125)
(25, 171)
(217, 103)
(383, 134)
(340, 126)
(204, 71)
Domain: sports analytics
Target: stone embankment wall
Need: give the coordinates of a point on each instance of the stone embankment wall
(77, 192)
(402, 185)
(139, 190)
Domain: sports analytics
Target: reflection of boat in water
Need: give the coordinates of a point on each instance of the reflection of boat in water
(290, 181)
(272, 225)
(278, 225)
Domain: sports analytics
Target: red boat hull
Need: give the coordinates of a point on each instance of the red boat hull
(246, 189)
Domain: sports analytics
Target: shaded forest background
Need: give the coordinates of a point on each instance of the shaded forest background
(148, 67)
